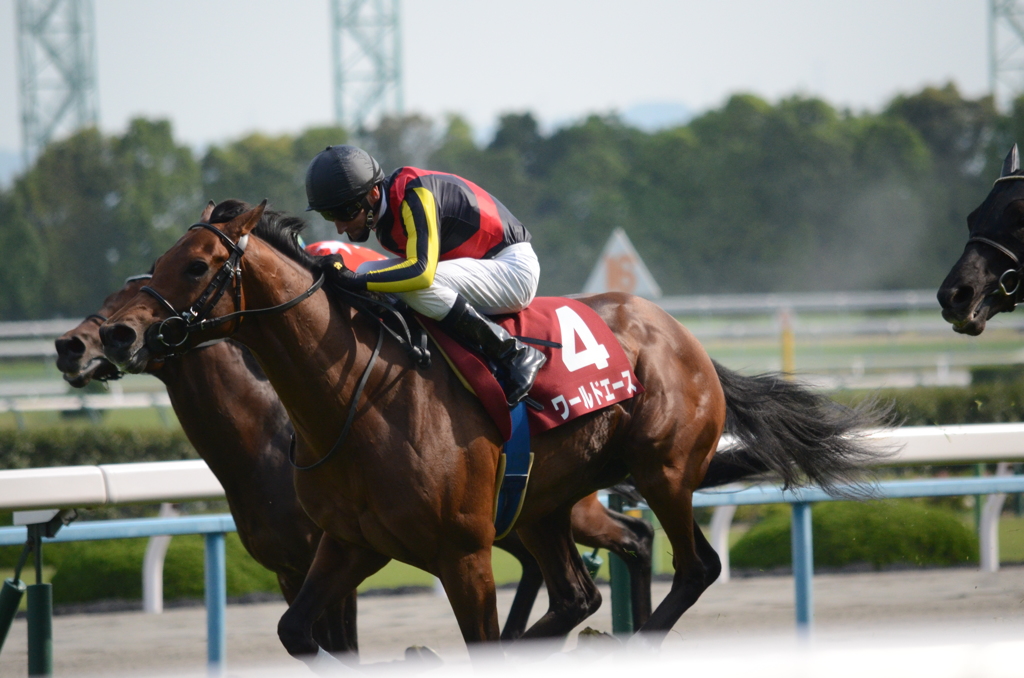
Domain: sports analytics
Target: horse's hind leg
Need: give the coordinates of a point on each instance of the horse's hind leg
(336, 571)
(572, 595)
(527, 590)
(631, 539)
(696, 563)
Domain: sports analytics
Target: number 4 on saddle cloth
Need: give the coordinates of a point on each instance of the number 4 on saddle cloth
(586, 371)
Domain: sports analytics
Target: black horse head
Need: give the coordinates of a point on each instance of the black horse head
(987, 278)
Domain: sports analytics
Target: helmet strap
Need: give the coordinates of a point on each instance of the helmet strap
(369, 212)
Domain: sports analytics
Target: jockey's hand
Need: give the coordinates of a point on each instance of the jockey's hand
(338, 274)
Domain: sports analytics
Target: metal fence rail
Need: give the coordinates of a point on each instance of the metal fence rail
(84, 486)
(214, 527)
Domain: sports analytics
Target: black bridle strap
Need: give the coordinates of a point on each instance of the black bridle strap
(352, 407)
(992, 243)
(195, 317)
(1018, 272)
(280, 308)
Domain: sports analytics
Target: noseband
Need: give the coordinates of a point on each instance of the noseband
(1010, 274)
(174, 331)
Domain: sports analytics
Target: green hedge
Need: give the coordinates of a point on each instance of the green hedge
(877, 533)
(112, 570)
(988, 400)
(73, 446)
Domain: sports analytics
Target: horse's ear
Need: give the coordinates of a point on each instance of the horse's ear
(204, 218)
(1012, 162)
(243, 224)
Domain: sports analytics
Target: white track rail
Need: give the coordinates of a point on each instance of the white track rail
(177, 481)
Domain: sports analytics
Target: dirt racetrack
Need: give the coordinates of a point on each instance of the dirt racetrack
(865, 606)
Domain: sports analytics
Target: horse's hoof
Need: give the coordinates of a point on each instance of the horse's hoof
(323, 663)
(593, 644)
(423, 656)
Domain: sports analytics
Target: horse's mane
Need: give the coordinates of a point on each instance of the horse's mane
(279, 229)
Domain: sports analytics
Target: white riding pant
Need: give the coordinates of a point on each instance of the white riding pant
(505, 284)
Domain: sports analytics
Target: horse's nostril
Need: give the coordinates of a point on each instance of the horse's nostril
(962, 296)
(72, 347)
(118, 335)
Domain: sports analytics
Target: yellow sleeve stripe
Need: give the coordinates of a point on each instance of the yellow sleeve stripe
(426, 278)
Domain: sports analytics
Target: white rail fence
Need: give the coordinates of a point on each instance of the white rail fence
(178, 481)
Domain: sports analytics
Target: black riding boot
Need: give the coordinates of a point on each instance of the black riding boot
(518, 362)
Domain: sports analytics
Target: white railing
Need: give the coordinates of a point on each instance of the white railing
(177, 481)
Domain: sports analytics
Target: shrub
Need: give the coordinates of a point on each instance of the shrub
(71, 446)
(112, 570)
(990, 400)
(878, 533)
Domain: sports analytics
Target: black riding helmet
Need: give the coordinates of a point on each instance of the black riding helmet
(340, 175)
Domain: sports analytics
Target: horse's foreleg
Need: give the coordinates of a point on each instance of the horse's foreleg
(526, 593)
(335, 630)
(469, 583)
(631, 539)
(572, 595)
(336, 571)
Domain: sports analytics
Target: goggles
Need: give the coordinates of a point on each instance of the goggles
(346, 212)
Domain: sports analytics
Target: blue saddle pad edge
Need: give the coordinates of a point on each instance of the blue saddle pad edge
(517, 463)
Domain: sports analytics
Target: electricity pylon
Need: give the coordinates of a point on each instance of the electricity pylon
(57, 70)
(1006, 50)
(367, 60)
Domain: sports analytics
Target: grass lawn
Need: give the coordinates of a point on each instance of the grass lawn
(1011, 538)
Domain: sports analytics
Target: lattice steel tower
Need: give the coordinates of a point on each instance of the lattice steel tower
(367, 60)
(1006, 50)
(57, 70)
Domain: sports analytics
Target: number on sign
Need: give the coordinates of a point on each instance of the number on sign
(572, 326)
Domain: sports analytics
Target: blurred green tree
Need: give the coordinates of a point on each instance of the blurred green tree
(95, 209)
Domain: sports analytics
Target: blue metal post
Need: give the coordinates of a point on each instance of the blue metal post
(803, 567)
(216, 604)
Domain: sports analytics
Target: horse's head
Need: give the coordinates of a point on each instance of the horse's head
(196, 280)
(986, 280)
(79, 350)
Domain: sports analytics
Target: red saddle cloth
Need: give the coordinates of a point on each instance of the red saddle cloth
(589, 372)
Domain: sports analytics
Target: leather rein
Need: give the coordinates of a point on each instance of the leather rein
(194, 319)
(1010, 280)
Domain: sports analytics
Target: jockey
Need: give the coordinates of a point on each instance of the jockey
(462, 255)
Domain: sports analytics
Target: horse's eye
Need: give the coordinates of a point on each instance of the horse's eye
(197, 268)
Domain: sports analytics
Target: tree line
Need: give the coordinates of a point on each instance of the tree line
(749, 197)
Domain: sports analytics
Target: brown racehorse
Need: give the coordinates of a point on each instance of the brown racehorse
(414, 478)
(236, 422)
(986, 280)
(247, 447)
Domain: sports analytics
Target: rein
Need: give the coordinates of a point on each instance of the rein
(351, 411)
(419, 354)
(194, 319)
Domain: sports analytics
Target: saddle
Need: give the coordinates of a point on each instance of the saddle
(587, 370)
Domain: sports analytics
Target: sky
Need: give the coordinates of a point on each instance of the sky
(219, 69)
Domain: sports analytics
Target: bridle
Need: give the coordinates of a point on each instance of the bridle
(174, 331)
(1010, 280)
(195, 319)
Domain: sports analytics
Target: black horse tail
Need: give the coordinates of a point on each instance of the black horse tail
(786, 430)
